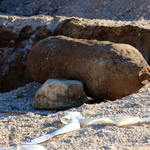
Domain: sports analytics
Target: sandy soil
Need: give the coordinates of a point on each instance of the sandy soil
(16, 129)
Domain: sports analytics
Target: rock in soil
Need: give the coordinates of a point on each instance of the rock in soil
(60, 94)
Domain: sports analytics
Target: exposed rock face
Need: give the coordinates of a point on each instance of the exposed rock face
(18, 34)
(60, 94)
(108, 70)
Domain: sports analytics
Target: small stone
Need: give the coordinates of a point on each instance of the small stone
(105, 3)
(19, 95)
(60, 94)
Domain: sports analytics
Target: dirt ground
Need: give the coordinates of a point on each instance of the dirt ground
(16, 129)
(92, 9)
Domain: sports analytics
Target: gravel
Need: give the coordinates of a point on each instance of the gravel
(15, 129)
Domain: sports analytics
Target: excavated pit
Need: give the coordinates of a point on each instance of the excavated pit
(19, 34)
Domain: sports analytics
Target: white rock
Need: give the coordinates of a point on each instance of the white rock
(60, 94)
